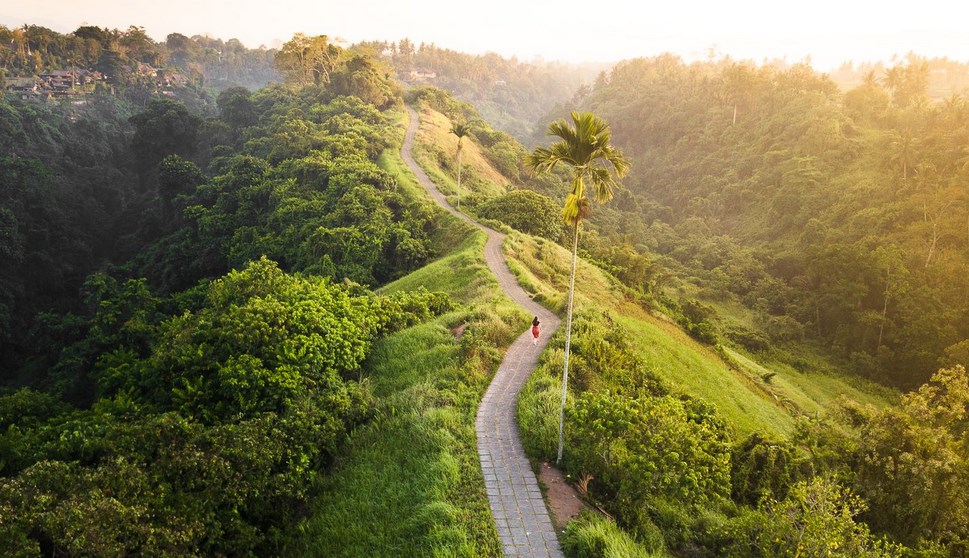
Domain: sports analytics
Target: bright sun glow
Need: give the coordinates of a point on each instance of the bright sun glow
(829, 32)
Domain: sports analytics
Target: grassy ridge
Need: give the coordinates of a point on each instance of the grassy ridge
(436, 151)
(409, 482)
(732, 382)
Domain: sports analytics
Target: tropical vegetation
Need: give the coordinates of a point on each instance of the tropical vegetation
(584, 147)
(231, 323)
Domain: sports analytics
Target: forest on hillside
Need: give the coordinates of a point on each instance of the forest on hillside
(168, 389)
(131, 60)
(885, 477)
(510, 94)
(838, 218)
(945, 77)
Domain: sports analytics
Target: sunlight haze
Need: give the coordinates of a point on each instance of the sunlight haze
(828, 32)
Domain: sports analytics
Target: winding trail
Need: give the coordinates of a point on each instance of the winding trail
(523, 521)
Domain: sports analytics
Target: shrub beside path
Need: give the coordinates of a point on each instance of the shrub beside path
(523, 522)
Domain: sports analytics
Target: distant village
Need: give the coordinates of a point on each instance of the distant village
(80, 81)
(419, 74)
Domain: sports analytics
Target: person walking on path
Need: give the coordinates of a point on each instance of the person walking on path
(536, 330)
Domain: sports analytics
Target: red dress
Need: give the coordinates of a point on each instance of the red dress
(535, 331)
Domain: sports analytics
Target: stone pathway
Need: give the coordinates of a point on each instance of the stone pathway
(523, 522)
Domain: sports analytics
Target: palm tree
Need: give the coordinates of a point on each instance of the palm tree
(585, 148)
(460, 130)
(903, 148)
(892, 81)
(870, 79)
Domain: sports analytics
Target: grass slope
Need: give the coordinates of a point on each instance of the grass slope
(732, 382)
(409, 482)
(436, 151)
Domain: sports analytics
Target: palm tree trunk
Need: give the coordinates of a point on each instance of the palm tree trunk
(459, 175)
(881, 329)
(932, 243)
(568, 341)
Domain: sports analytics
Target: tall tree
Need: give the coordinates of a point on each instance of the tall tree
(176, 176)
(460, 130)
(890, 261)
(165, 128)
(236, 107)
(915, 466)
(903, 148)
(307, 60)
(585, 147)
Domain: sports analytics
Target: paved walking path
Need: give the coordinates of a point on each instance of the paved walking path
(516, 502)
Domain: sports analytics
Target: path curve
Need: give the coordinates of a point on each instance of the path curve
(523, 522)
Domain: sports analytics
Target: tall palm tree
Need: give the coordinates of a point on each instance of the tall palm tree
(903, 148)
(585, 148)
(460, 130)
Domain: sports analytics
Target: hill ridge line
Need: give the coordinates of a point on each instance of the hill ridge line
(523, 522)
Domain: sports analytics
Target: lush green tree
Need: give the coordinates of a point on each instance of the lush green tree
(176, 177)
(363, 77)
(585, 148)
(305, 60)
(162, 484)
(102, 36)
(165, 128)
(527, 211)
(644, 447)
(915, 466)
(111, 63)
(761, 469)
(818, 518)
(236, 107)
(138, 45)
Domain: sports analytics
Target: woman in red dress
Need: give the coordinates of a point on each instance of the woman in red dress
(536, 331)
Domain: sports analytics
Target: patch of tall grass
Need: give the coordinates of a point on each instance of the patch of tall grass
(390, 161)
(409, 482)
(594, 536)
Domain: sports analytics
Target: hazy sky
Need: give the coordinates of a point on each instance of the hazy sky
(830, 31)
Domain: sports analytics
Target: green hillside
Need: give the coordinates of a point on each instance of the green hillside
(697, 422)
(192, 386)
(727, 379)
(838, 219)
(240, 327)
(409, 482)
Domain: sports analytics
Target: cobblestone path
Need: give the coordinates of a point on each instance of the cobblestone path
(523, 521)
